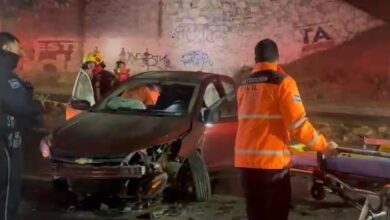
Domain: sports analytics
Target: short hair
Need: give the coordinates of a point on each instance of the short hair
(85, 65)
(266, 50)
(119, 62)
(6, 38)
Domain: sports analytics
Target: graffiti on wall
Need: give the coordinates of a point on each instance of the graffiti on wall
(196, 58)
(312, 35)
(200, 32)
(212, 32)
(226, 17)
(316, 38)
(235, 10)
(233, 24)
(55, 50)
(50, 56)
(145, 60)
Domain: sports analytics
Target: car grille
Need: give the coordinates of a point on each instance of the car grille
(97, 172)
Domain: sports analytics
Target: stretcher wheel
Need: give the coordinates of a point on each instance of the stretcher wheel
(317, 191)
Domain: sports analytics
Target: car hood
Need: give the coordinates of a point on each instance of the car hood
(106, 135)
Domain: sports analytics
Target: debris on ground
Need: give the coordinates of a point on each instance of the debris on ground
(175, 210)
(225, 208)
(162, 211)
(71, 208)
(104, 207)
(127, 209)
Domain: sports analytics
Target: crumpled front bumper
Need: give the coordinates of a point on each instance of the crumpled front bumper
(87, 171)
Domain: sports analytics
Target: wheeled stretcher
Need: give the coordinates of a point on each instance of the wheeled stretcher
(360, 176)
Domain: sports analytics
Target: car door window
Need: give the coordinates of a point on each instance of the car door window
(228, 106)
(227, 87)
(83, 88)
(211, 95)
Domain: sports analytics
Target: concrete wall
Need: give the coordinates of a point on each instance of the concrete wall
(356, 72)
(316, 39)
(51, 32)
(217, 35)
(126, 30)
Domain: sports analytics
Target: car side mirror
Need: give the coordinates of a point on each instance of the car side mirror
(211, 116)
(82, 105)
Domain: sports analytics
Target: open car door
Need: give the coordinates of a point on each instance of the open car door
(82, 90)
(221, 127)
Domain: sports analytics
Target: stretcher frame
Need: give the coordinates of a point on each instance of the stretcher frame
(375, 201)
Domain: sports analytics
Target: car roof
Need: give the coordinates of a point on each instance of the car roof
(185, 76)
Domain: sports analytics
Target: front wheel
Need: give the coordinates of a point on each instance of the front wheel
(194, 179)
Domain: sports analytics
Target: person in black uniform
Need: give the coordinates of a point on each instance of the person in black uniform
(103, 81)
(18, 111)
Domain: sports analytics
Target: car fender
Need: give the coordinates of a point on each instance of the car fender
(193, 141)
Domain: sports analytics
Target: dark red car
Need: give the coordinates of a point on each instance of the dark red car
(141, 149)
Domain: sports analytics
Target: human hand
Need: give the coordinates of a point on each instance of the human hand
(332, 145)
(331, 148)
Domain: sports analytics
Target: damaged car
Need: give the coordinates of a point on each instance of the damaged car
(137, 147)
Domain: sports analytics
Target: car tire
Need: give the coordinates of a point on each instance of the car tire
(194, 178)
(317, 191)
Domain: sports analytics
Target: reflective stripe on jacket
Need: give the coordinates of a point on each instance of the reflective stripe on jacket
(270, 111)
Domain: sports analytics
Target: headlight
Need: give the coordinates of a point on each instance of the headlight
(45, 146)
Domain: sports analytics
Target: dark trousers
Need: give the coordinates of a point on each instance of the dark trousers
(267, 193)
(10, 182)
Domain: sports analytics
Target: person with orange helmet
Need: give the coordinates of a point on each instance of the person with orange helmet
(103, 81)
(270, 113)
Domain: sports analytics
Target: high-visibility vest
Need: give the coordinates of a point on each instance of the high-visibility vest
(270, 113)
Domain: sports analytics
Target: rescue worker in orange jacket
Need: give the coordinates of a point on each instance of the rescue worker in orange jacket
(270, 114)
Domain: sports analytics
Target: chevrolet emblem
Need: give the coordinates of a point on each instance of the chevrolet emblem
(83, 160)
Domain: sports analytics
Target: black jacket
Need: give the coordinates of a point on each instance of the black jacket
(17, 107)
(103, 82)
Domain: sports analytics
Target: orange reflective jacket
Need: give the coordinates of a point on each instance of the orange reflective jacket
(270, 111)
